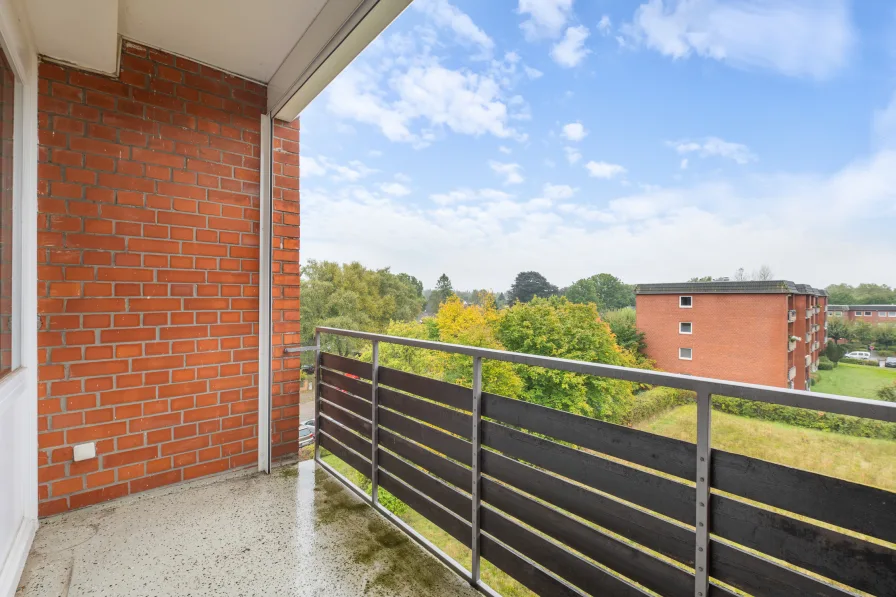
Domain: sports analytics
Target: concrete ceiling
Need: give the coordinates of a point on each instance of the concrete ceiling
(295, 46)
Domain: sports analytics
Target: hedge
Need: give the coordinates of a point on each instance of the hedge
(801, 417)
(868, 362)
(654, 402)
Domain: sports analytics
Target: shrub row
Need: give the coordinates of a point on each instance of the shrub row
(801, 417)
(654, 402)
(868, 362)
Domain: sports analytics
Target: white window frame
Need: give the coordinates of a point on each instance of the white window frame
(18, 388)
(881, 313)
(681, 325)
(681, 298)
(681, 358)
(892, 313)
(858, 313)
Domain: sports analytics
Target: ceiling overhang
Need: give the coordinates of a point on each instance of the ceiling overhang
(296, 47)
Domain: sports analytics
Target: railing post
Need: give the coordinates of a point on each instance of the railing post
(477, 441)
(374, 424)
(704, 452)
(317, 396)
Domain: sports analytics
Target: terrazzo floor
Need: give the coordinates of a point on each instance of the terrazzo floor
(295, 532)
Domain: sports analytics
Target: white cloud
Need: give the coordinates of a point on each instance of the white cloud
(396, 189)
(805, 38)
(714, 146)
(322, 166)
(571, 50)
(402, 88)
(557, 192)
(532, 73)
(308, 166)
(757, 219)
(684, 164)
(572, 154)
(574, 131)
(375, 153)
(504, 149)
(445, 14)
(546, 17)
(604, 169)
(605, 25)
(466, 195)
(512, 173)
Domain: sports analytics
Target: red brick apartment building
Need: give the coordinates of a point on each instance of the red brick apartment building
(873, 314)
(765, 332)
(149, 240)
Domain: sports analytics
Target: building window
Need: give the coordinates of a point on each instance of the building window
(867, 313)
(858, 313)
(882, 314)
(892, 313)
(685, 302)
(684, 327)
(685, 354)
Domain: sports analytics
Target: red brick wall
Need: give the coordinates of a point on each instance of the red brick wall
(148, 275)
(285, 369)
(735, 337)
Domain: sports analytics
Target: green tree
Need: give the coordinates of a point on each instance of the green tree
(440, 294)
(885, 336)
(529, 285)
(353, 297)
(604, 290)
(623, 324)
(701, 279)
(559, 328)
(834, 351)
(864, 332)
(863, 294)
(839, 328)
(841, 294)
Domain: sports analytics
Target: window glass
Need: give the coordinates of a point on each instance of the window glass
(7, 111)
(684, 328)
(684, 301)
(684, 353)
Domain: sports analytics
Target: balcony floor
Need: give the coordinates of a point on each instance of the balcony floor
(295, 532)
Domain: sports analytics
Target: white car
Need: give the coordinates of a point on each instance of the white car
(858, 354)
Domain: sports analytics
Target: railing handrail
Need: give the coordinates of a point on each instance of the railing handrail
(844, 405)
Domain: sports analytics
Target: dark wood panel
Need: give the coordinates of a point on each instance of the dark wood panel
(452, 447)
(558, 560)
(455, 421)
(658, 534)
(344, 436)
(359, 388)
(432, 389)
(763, 578)
(620, 557)
(350, 403)
(427, 508)
(346, 365)
(653, 492)
(436, 490)
(441, 467)
(358, 463)
(347, 419)
(860, 564)
(871, 511)
(671, 456)
(528, 575)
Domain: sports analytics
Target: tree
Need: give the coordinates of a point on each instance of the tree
(863, 294)
(622, 323)
(739, 275)
(834, 351)
(604, 290)
(351, 296)
(701, 279)
(885, 336)
(529, 285)
(764, 273)
(559, 328)
(864, 332)
(439, 294)
(839, 328)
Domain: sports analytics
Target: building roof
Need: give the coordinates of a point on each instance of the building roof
(729, 287)
(861, 307)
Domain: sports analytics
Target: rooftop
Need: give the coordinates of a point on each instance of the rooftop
(730, 287)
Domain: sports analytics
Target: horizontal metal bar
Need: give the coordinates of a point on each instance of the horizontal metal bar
(844, 405)
(297, 349)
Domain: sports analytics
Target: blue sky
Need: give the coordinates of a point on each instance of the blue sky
(657, 141)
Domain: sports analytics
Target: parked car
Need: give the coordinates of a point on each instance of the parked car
(306, 436)
(858, 354)
(890, 362)
(308, 423)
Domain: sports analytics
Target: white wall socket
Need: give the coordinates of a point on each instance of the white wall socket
(85, 451)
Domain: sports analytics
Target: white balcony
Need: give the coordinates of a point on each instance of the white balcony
(808, 360)
(791, 375)
(791, 316)
(810, 313)
(791, 346)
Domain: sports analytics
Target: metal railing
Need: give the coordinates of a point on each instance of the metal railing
(463, 458)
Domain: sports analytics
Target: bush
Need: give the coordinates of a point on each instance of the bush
(811, 419)
(826, 364)
(886, 353)
(834, 352)
(654, 402)
(868, 362)
(887, 393)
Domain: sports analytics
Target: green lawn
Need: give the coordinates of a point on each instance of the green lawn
(863, 460)
(854, 380)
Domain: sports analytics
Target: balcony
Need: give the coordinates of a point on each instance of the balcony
(791, 346)
(808, 338)
(815, 327)
(810, 313)
(791, 374)
(808, 360)
(791, 316)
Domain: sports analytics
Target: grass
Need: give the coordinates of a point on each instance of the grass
(863, 460)
(859, 381)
